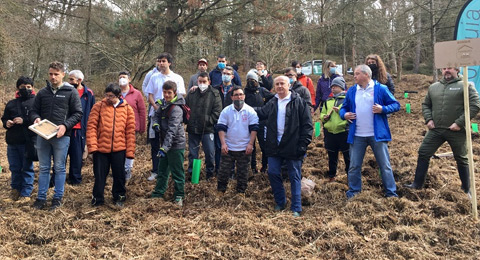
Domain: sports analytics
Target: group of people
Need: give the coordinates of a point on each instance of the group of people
(226, 119)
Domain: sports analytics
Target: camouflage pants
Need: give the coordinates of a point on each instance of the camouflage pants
(241, 161)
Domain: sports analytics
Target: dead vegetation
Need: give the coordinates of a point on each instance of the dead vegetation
(433, 223)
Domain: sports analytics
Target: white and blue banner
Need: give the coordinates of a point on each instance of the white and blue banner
(468, 27)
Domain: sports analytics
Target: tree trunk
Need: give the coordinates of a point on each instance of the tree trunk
(418, 45)
(87, 61)
(171, 30)
(433, 37)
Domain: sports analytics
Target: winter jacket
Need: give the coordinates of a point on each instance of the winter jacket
(381, 96)
(135, 99)
(62, 108)
(226, 98)
(334, 124)
(87, 100)
(298, 130)
(444, 103)
(302, 91)
(216, 77)
(205, 108)
(308, 83)
(111, 129)
(390, 85)
(18, 107)
(257, 96)
(169, 117)
(266, 81)
(323, 90)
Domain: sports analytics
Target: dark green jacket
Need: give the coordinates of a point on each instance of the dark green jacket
(205, 109)
(444, 103)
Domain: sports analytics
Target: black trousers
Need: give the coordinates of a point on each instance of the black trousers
(102, 162)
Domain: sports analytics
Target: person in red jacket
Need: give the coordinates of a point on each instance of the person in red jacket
(110, 128)
(135, 99)
(306, 81)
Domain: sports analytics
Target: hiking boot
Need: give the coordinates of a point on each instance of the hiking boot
(296, 214)
(153, 176)
(22, 200)
(55, 204)
(179, 201)
(39, 204)
(120, 202)
(14, 194)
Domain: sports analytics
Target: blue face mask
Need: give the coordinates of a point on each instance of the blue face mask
(226, 78)
(221, 65)
(291, 81)
(333, 70)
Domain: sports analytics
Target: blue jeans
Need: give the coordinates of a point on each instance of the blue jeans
(58, 147)
(357, 153)
(294, 168)
(75, 152)
(208, 145)
(21, 168)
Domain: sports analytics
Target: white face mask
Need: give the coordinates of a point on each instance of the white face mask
(123, 82)
(202, 87)
(299, 70)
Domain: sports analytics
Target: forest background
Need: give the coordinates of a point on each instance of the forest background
(102, 38)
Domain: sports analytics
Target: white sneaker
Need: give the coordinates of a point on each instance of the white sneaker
(152, 177)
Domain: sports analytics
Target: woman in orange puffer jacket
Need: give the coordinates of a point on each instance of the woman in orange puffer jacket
(111, 139)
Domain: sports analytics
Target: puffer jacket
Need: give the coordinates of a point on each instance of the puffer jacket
(308, 83)
(298, 130)
(257, 96)
(111, 129)
(334, 124)
(18, 107)
(444, 103)
(169, 117)
(302, 91)
(323, 90)
(62, 108)
(205, 109)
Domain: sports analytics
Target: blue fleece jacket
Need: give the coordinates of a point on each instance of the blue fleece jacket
(381, 96)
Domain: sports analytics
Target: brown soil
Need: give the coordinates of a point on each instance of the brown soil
(433, 223)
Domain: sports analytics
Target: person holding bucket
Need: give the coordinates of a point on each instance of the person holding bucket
(168, 123)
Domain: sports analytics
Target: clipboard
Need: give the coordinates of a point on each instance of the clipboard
(45, 129)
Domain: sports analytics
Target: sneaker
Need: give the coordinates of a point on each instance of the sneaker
(179, 202)
(279, 208)
(120, 204)
(39, 204)
(14, 194)
(153, 176)
(296, 214)
(55, 204)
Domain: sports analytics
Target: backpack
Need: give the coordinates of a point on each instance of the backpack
(186, 112)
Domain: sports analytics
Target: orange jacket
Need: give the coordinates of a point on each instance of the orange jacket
(308, 83)
(111, 129)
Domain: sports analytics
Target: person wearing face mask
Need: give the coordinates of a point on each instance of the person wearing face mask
(79, 131)
(306, 81)
(111, 139)
(216, 74)
(20, 140)
(329, 73)
(237, 128)
(205, 108)
(264, 78)
(134, 98)
(297, 87)
(257, 96)
(379, 71)
(224, 89)
(202, 66)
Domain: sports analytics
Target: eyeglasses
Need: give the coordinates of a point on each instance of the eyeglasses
(239, 95)
(110, 96)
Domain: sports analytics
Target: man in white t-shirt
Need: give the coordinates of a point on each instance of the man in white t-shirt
(237, 128)
(154, 92)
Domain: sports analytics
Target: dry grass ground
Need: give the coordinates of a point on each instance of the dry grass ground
(433, 223)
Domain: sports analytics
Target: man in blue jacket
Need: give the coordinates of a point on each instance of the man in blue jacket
(366, 107)
(216, 74)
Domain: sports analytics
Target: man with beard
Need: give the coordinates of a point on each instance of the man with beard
(443, 110)
(237, 128)
(257, 96)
